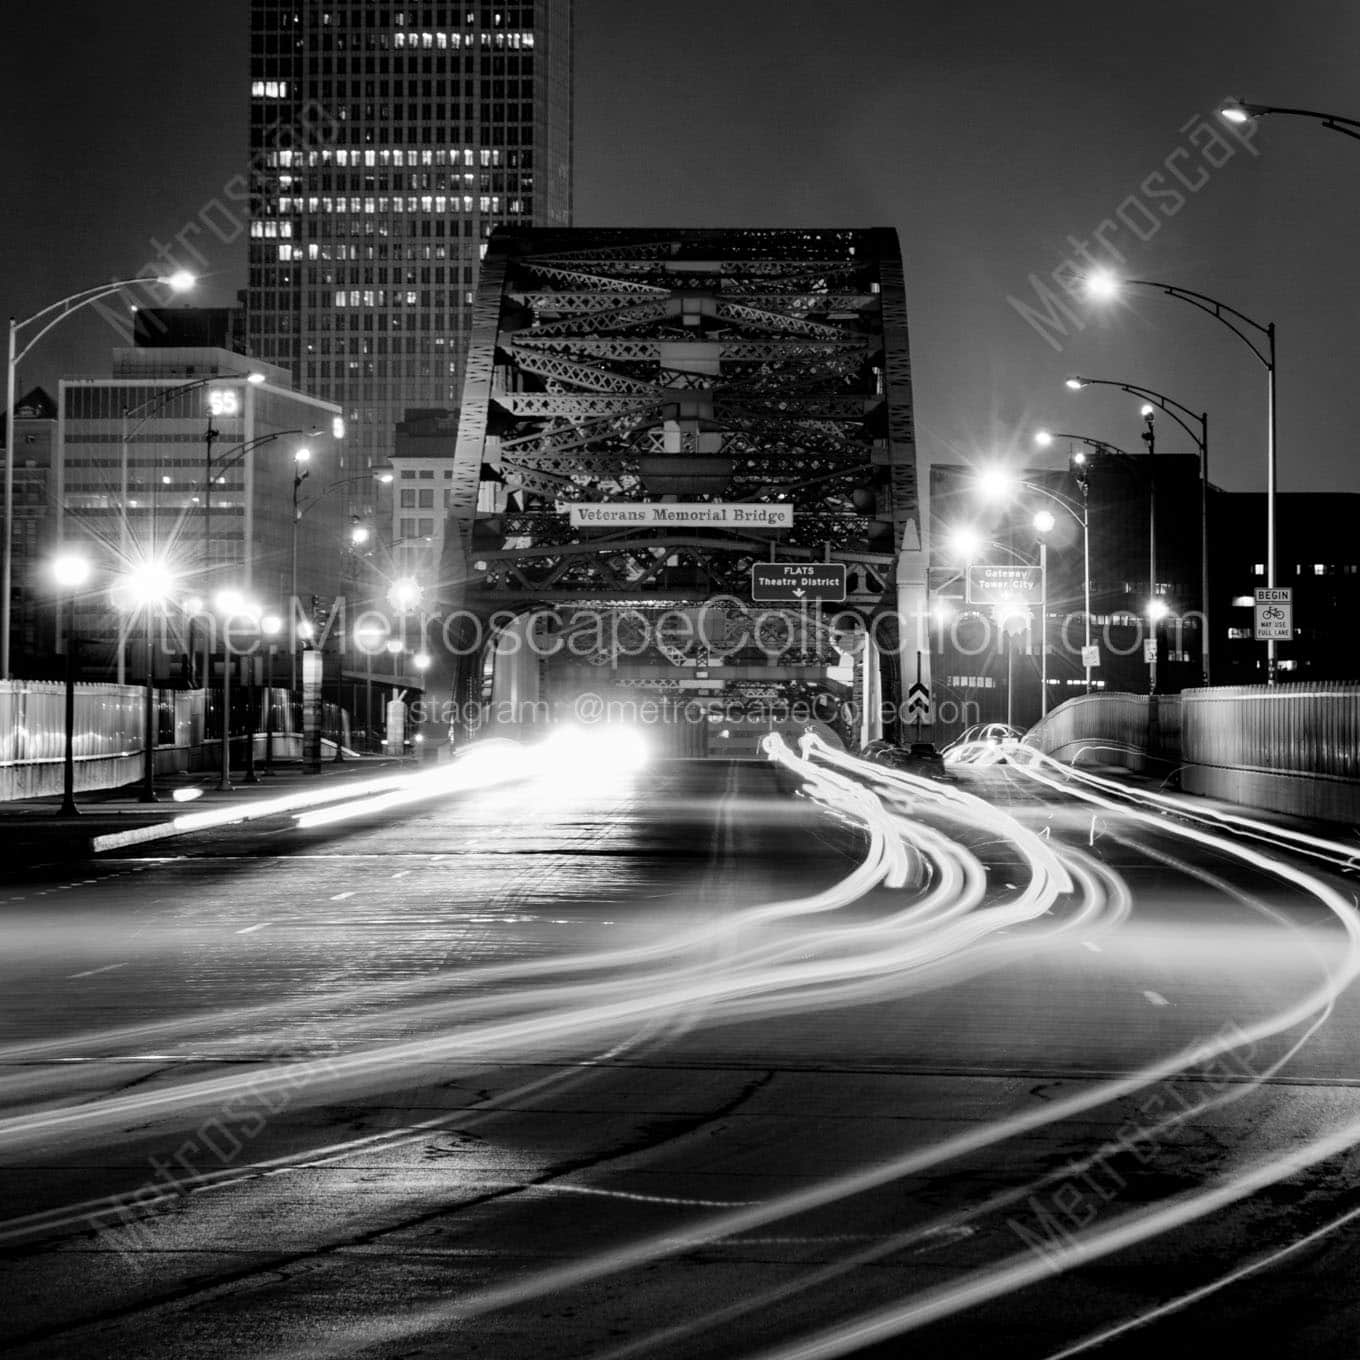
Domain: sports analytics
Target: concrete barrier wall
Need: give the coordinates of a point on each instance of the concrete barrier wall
(1290, 748)
(1112, 729)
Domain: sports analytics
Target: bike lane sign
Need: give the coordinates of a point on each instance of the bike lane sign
(1274, 613)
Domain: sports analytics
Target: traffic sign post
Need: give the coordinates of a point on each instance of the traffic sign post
(798, 582)
(1274, 614)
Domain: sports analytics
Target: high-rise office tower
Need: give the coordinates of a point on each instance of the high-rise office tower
(387, 140)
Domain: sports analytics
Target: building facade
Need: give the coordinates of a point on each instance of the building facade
(387, 140)
(188, 456)
(31, 617)
(1317, 558)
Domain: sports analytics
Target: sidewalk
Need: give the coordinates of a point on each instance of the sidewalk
(32, 832)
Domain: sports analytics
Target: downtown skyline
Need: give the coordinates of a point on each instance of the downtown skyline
(1001, 147)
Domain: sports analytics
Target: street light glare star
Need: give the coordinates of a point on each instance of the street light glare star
(1043, 439)
(1234, 111)
(1102, 284)
(1157, 610)
(180, 281)
(1147, 409)
(1076, 384)
(70, 570)
(995, 483)
(965, 541)
(1044, 521)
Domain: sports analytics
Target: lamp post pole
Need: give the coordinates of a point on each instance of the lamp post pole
(1043, 629)
(224, 783)
(68, 785)
(269, 708)
(1086, 578)
(52, 315)
(148, 793)
(1262, 346)
(1181, 414)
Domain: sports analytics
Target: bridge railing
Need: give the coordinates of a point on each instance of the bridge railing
(109, 726)
(1292, 748)
(1112, 729)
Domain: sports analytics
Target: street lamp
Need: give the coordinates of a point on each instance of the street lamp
(966, 542)
(50, 316)
(369, 637)
(270, 626)
(147, 410)
(230, 605)
(1180, 413)
(1156, 611)
(223, 463)
(144, 589)
(1239, 112)
(300, 508)
(990, 479)
(1103, 284)
(1043, 523)
(70, 570)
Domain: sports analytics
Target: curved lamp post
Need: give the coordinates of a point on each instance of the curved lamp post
(1180, 413)
(1259, 338)
(996, 482)
(147, 410)
(46, 319)
(1238, 111)
(70, 570)
(1044, 438)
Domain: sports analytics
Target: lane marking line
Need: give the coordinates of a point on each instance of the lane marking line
(1092, 946)
(340, 897)
(250, 930)
(1156, 999)
(94, 972)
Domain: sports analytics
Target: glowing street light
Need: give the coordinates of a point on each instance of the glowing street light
(48, 317)
(1239, 113)
(964, 541)
(143, 589)
(405, 593)
(1044, 522)
(995, 483)
(1103, 284)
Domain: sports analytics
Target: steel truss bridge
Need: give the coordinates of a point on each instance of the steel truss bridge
(633, 366)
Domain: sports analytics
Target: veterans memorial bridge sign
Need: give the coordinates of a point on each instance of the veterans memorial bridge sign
(798, 582)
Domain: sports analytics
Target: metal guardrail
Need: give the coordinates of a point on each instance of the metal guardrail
(108, 732)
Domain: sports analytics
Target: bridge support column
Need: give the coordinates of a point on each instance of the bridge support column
(915, 699)
(517, 706)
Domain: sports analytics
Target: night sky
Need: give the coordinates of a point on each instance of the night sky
(985, 133)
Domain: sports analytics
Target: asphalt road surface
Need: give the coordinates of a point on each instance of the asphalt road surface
(669, 1064)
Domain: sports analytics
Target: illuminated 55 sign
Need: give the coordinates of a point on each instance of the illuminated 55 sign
(224, 401)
